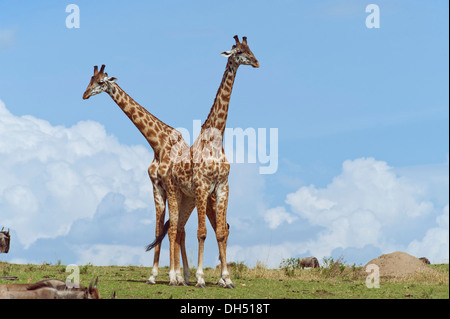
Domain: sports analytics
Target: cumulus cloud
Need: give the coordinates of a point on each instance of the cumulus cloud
(52, 176)
(278, 215)
(105, 255)
(77, 194)
(268, 255)
(355, 207)
(435, 244)
(366, 205)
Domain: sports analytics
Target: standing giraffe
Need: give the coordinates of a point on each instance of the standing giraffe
(163, 139)
(210, 166)
(207, 187)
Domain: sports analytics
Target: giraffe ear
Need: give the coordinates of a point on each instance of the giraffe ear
(227, 53)
(112, 79)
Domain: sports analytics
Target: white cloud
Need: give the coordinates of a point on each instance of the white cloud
(52, 176)
(367, 205)
(79, 195)
(435, 244)
(278, 215)
(122, 255)
(270, 255)
(364, 185)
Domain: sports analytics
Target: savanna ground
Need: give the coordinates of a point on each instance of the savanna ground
(333, 281)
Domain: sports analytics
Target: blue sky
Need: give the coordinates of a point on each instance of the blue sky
(362, 117)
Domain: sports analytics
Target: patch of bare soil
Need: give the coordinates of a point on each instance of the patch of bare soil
(399, 265)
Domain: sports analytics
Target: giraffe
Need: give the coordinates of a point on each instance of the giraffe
(163, 139)
(210, 166)
(204, 181)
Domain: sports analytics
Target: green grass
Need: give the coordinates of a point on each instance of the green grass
(334, 281)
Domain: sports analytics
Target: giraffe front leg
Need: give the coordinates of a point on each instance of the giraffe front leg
(211, 213)
(173, 211)
(211, 210)
(201, 201)
(172, 202)
(199, 274)
(222, 233)
(201, 235)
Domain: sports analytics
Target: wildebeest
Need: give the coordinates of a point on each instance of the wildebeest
(308, 262)
(43, 293)
(48, 289)
(425, 260)
(5, 238)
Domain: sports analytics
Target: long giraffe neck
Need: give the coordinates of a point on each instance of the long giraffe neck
(217, 117)
(154, 130)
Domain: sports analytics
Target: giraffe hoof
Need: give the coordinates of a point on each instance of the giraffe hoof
(173, 283)
(182, 283)
(148, 282)
(200, 286)
(229, 286)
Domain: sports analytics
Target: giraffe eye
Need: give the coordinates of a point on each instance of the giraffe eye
(101, 82)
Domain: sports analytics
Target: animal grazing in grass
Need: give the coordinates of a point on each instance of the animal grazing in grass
(425, 260)
(5, 239)
(308, 262)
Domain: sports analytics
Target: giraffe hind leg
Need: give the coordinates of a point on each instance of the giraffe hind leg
(186, 207)
(160, 206)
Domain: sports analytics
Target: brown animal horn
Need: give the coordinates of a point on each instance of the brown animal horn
(244, 40)
(102, 68)
(92, 282)
(95, 69)
(90, 285)
(237, 39)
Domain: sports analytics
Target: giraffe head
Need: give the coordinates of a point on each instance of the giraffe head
(100, 82)
(241, 53)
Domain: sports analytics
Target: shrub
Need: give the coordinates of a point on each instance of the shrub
(289, 265)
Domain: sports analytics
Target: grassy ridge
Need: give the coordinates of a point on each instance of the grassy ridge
(255, 283)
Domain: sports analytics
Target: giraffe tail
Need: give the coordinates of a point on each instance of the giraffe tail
(160, 238)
